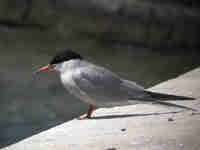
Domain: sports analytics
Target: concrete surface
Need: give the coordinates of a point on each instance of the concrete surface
(140, 127)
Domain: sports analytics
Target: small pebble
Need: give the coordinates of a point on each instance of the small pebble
(193, 113)
(111, 149)
(123, 129)
(170, 119)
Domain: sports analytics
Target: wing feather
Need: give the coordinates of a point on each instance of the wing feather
(103, 85)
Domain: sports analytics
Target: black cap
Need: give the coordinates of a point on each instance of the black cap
(65, 55)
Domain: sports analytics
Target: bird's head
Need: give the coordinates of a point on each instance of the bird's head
(60, 58)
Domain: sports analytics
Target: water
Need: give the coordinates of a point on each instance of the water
(31, 104)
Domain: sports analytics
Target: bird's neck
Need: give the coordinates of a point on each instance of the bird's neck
(67, 65)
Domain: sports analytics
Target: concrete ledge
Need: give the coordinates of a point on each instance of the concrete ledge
(130, 127)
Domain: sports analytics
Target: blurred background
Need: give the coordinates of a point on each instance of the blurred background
(146, 41)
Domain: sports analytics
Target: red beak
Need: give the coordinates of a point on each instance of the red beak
(44, 69)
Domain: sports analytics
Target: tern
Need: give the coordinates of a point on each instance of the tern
(100, 87)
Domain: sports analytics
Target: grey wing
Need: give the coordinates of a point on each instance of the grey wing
(105, 87)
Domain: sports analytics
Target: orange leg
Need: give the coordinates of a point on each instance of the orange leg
(88, 116)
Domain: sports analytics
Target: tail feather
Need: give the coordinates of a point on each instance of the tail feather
(174, 105)
(167, 97)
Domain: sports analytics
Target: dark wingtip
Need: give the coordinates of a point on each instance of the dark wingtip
(185, 98)
(190, 98)
(167, 97)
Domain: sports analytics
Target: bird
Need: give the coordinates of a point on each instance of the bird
(100, 87)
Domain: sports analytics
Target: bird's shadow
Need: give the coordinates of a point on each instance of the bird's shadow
(134, 115)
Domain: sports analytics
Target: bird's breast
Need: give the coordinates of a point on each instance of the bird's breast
(71, 86)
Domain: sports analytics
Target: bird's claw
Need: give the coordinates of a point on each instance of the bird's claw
(83, 118)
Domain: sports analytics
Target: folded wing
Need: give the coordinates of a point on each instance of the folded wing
(106, 87)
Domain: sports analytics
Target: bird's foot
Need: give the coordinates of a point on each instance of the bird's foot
(83, 117)
(88, 116)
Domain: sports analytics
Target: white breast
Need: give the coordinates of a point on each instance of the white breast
(66, 70)
(70, 85)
